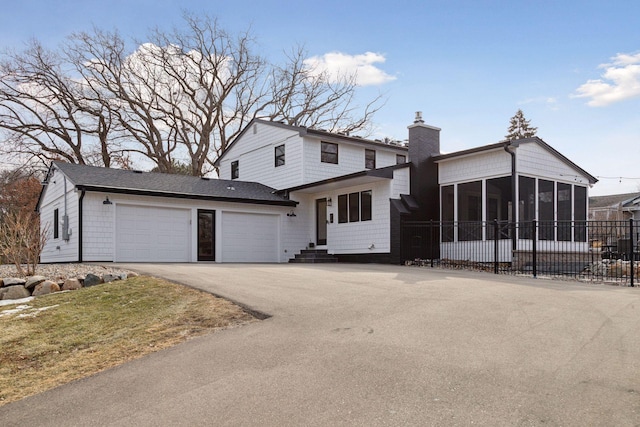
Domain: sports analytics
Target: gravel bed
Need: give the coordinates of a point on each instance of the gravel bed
(62, 271)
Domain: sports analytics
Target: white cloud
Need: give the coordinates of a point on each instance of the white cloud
(620, 81)
(338, 64)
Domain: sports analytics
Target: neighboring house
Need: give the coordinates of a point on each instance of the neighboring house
(615, 207)
(286, 188)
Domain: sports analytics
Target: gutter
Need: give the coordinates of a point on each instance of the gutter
(80, 226)
(508, 148)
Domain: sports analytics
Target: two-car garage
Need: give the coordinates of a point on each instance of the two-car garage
(166, 234)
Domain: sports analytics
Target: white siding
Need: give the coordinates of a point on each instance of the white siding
(474, 167)
(534, 160)
(346, 238)
(400, 184)
(255, 153)
(59, 250)
(99, 222)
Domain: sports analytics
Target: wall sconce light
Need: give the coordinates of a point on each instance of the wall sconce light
(329, 202)
(107, 201)
(292, 213)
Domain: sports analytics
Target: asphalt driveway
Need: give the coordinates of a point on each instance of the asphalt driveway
(375, 345)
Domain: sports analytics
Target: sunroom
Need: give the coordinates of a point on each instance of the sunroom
(480, 222)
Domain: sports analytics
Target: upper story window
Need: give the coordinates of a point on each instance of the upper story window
(235, 170)
(400, 159)
(279, 155)
(329, 153)
(369, 159)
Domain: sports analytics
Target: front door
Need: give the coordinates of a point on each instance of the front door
(206, 235)
(321, 222)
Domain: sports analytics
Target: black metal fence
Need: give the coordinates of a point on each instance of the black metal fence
(602, 251)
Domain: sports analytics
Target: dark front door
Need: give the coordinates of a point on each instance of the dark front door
(206, 235)
(321, 222)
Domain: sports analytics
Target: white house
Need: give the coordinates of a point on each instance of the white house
(288, 189)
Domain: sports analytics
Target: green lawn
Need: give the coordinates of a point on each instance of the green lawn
(65, 336)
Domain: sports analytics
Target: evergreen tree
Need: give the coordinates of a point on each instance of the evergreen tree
(519, 127)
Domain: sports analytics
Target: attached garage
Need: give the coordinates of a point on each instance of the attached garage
(152, 234)
(249, 237)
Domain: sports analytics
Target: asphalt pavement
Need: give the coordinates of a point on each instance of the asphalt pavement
(375, 345)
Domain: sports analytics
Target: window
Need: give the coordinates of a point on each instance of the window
(329, 153)
(235, 171)
(354, 207)
(470, 211)
(580, 213)
(279, 155)
(56, 224)
(545, 210)
(564, 212)
(526, 206)
(342, 209)
(369, 159)
(400, 159)
(498, 205)
(365, 205)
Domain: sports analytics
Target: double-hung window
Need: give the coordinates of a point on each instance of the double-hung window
(329, 153)
(369, 159)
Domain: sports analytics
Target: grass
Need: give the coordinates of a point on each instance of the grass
(65, 336)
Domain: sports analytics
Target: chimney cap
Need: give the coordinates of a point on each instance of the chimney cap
(418, 118)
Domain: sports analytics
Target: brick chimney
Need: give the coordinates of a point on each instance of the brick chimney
(424, 143)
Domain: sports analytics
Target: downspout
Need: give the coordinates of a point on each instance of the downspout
(508, 148)
(80, 226)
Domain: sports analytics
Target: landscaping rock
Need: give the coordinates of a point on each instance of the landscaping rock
(12, 281)
(45, 288)
(71, 285)
(14, 292)
(92, 280)
(32, 281)
(132, 274)
(107, 278)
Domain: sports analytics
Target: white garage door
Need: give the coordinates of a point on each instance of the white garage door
(152, 234)
(249, 237)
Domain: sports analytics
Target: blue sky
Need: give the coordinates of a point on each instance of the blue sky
(573, 67)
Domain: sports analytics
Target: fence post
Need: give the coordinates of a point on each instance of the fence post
(534, 254)
(496, 235)
(633, 255)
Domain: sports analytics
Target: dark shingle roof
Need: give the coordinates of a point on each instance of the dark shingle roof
(99, 179)
(611, 200)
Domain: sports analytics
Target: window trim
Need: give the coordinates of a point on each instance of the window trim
(401, 156)
(327, 156)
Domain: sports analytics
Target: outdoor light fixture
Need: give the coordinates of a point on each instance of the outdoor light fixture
(107, 201)
(329, 201)
(292, 213)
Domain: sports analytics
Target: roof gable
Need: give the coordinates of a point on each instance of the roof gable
(516, 143)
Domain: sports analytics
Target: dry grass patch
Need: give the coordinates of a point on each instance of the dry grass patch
(65, 336)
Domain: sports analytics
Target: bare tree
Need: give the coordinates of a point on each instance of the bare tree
(180, 98)
(45, 114)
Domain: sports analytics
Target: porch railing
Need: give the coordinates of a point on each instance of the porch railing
(603, 251)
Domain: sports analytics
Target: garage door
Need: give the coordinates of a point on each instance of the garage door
(249, 237)
(151, 234)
